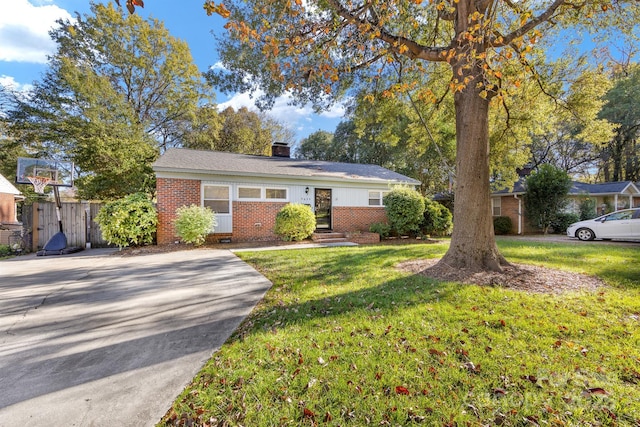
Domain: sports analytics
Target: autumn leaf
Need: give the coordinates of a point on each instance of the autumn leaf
(308, 413)
(594, 392)
(402, 390)
(498, 392)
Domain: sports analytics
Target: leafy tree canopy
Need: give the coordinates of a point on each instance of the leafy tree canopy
(115, 95)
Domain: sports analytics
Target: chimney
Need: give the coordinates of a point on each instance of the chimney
(280, 149)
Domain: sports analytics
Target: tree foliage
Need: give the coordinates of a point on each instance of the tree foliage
(115, 95)
(621, 157)
(546, 195)
(570, 135)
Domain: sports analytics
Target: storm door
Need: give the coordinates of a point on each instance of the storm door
(323, 209)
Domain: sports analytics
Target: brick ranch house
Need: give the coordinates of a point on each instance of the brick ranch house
(246, 191)
(609, 197)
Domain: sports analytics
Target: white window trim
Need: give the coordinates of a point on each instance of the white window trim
(202, 199)
(495, 205)
(381, 194)
(286, 190)
(250, 199)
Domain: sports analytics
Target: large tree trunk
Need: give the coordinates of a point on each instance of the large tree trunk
(473, 245)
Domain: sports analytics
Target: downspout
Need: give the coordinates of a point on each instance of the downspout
(515, 196)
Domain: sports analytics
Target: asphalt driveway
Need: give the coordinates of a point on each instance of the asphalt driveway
(96, 339)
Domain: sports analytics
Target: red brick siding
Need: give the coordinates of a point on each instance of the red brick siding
(254, 221)
(356, 218)
(509, 207)
(173, 193)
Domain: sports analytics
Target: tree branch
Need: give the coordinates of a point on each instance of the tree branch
(415, 50)
(530, 25)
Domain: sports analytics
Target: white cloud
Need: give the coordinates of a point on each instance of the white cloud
(11, 83)
(303, 119)
(24, 30)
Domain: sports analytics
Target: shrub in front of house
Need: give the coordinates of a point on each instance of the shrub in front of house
(5, 250)
(587, 209)
(405, 208)
(294, 222)
(502, 225)
(130, 221)
(437, 219)
(384, 230)
(193, 223)
(563, 221)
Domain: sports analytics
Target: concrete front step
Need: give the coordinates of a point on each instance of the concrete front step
(336, 240)
(329, 237)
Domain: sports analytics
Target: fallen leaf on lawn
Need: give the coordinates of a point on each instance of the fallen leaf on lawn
(594, 391)
(498, 392)
(321, 361)
(609, 413)
(308, 413)
(328, 417)
(402, 390)
(311, 382)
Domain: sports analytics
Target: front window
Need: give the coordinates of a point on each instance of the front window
(496, 206)
(276, 193)
(217, 198)
(249, 192)
(376, 198)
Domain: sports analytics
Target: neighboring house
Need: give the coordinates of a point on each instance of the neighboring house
(609, 197)
(9, 198)
(247, 192)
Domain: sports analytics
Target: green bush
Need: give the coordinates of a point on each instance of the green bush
(588, 209)
(381, 228)
(295, 221)
(193, 223)
(502, 225)
(405, 209)
(130, 221)
(436, 219)
(562, 221)
(5, 250)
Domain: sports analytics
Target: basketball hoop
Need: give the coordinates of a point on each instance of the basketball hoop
(39, 182)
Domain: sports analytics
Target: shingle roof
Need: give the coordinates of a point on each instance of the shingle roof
(578, 188)
(222, 163)
(7, 187)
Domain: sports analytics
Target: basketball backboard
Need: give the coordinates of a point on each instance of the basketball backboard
(59, 173)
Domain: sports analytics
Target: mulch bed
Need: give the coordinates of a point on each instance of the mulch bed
(522, 277)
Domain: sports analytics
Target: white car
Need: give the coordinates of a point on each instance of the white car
(624, 224)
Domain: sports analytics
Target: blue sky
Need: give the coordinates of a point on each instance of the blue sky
(24, 45)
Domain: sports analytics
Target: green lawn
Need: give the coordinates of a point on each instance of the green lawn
(343, 338)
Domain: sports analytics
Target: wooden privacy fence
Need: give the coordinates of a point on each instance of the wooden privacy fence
(41, 221)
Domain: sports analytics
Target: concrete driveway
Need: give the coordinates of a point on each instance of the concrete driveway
(96, 339)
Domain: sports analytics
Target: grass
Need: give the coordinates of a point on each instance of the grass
(343, 338)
